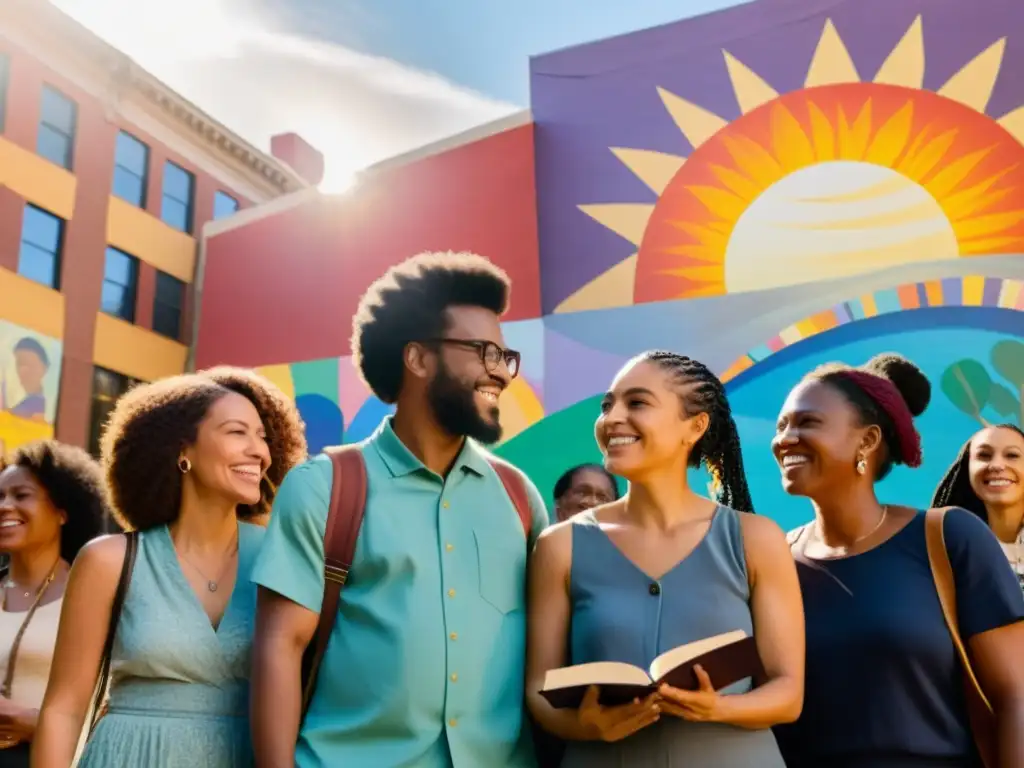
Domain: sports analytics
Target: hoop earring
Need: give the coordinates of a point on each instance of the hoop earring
(862, 465)
(184, 465)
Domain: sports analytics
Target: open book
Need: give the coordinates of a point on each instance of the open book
(727, 658)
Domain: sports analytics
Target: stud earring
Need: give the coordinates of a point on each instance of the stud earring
(862, 465)
(184, 465)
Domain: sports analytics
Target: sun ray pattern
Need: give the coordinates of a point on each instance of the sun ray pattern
(905, 65)
(831, 63)
(751, 90)
(973, 85)
(897, 174)
(655, 169)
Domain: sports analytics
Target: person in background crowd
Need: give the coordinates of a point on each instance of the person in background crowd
(987, 478)
(52, 502)
(189, 461)
(884, 687)
(663, 567)
(424, 667)
(583, 487)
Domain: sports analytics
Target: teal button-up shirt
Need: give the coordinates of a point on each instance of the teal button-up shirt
(425, 667)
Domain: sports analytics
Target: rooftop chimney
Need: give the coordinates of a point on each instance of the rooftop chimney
(304, 159)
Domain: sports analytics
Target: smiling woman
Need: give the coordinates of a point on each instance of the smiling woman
(987, 478)
(875, 629)
(192, 463)
(51, 503)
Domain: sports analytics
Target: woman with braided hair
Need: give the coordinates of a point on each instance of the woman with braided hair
(884, 687)
(660, 568)
(987, 478)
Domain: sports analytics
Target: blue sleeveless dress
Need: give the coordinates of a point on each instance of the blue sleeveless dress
(179, 695)
(621, 614)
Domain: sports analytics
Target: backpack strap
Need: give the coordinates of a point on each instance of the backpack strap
(344, 518)
(131, 546)
(515, 487)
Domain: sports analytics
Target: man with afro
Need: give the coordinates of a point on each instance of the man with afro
(425, 665)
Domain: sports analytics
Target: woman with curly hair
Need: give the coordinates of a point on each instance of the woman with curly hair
(191, 462)
(987, 478)
(884, 684)
(51, 503)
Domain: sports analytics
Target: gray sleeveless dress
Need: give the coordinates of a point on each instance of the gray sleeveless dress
(179, 696)
(621, 614)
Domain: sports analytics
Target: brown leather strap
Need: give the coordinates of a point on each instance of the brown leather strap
(978, 706)
(344, 518)
(515, 487)
(131, 546)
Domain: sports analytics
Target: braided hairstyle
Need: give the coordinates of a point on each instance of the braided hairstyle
(719, 447)
(954, 490)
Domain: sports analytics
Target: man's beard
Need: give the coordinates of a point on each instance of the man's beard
(454, 405)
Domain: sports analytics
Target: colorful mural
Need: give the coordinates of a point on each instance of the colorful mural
(29, 380)
(841, 175)
(767, 188)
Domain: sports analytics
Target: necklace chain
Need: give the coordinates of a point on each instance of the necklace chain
(5, 688)
(213, 585)
(859, 539)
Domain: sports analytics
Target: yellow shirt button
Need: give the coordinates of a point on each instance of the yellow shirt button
(451, 593)
(455, 677)
(449, 547)
(453, 722)
(453, 636)
(445, 504)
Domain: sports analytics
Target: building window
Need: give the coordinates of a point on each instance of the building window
(177, 198)
(120, 285)
(42, 236)
(5, 76)
(167, 305)
(107, 387)
(223, 205)
(57, 119)
(131, 169)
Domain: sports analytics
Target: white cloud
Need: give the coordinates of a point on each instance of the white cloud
(357, 109)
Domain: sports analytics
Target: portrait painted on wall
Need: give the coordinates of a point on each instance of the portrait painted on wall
(29, 381)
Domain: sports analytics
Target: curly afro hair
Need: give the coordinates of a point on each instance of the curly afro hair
(408, 304)
(151, 423)
(911, 383)
(74, 482)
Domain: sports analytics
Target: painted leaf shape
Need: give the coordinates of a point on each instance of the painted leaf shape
(1003, 401)
(967, 385)
(1008, 359)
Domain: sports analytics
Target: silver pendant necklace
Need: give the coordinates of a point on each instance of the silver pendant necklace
(213, 584)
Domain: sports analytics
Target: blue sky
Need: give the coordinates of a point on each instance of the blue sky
(362, 80)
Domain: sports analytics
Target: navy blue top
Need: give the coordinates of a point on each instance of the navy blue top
(884, 686)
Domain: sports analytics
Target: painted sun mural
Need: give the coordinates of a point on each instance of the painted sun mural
(771, 198)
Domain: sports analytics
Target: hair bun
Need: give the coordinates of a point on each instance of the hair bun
(911, 382)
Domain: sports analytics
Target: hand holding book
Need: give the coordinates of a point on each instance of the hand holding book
(699, 706)
(617, 722)
(723, 659)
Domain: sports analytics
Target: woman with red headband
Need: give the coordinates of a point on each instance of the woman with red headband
(883, 683)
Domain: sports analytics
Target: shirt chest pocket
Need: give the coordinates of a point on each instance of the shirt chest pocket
(501, 566)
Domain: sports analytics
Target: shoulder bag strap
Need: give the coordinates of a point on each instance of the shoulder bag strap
(945, 585)
(978, 706)
(515, 487)
(131, 546)
(344, 518)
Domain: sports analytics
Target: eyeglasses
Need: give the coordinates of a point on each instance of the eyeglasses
(490, 353)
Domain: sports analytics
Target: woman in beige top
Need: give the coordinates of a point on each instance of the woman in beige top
(51, 503)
